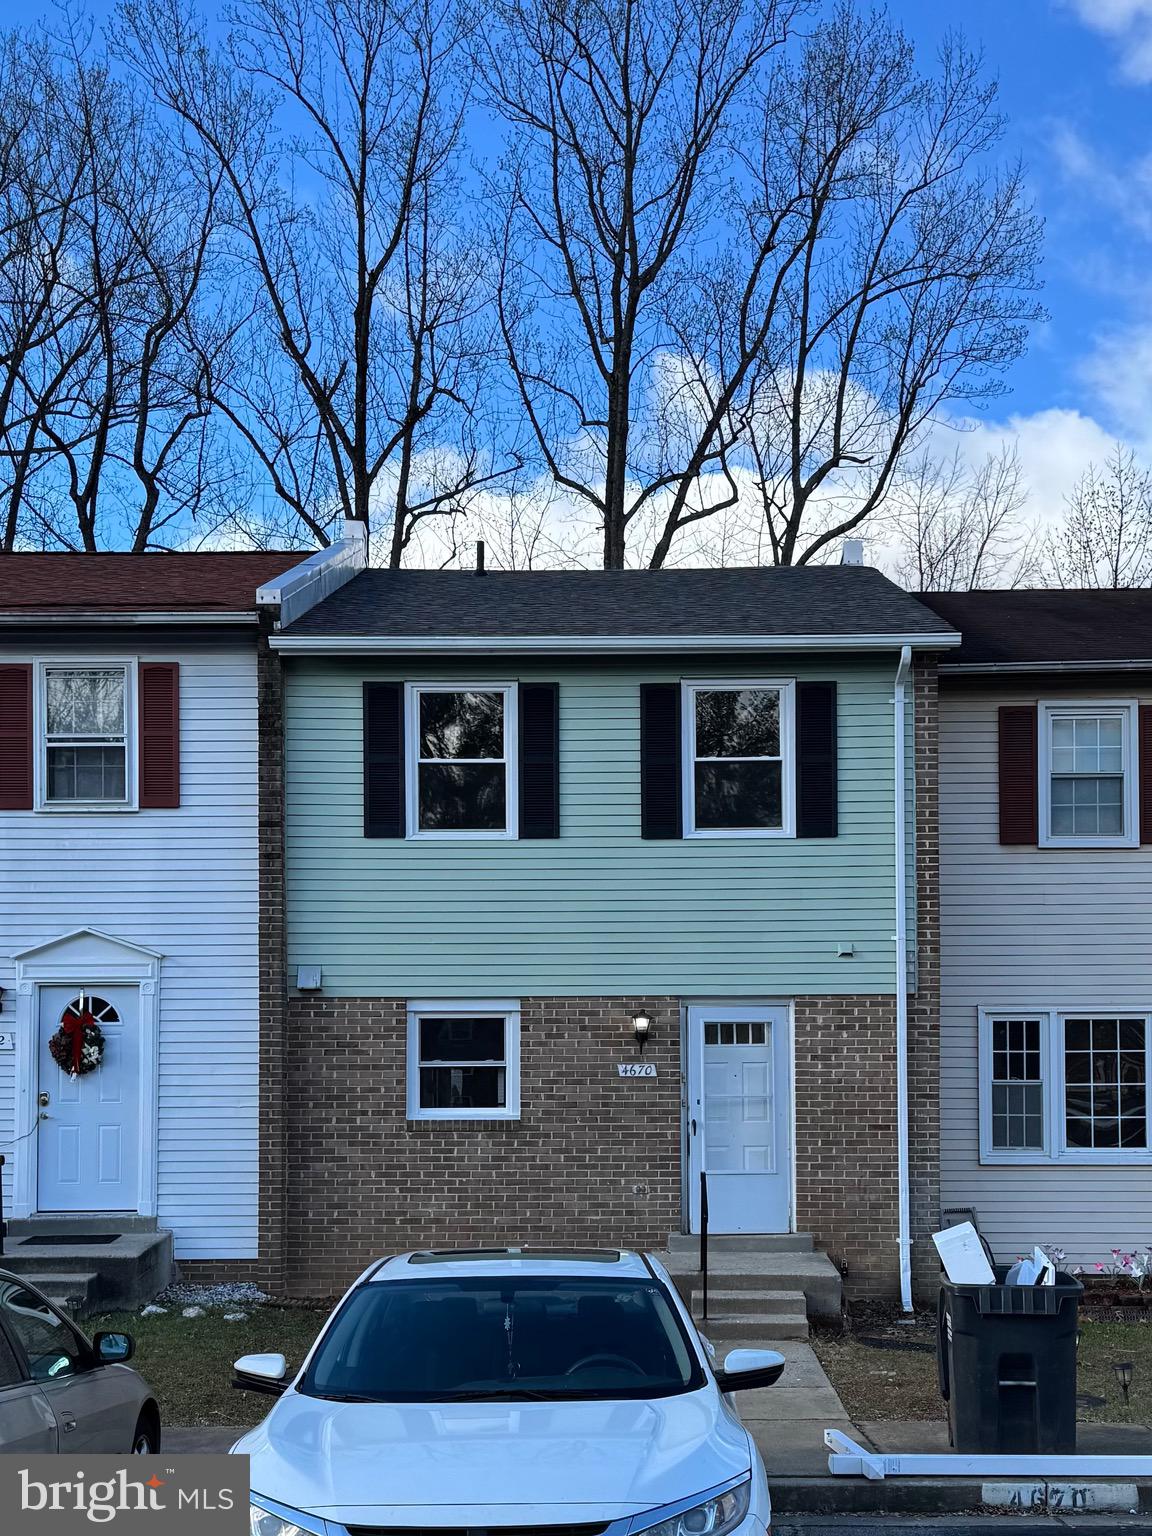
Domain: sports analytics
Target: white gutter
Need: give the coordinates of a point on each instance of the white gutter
(901, 873)
(58, 617)
(590, 645)
(991, 668)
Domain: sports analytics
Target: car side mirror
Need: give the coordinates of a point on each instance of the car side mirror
(261, 1373)
(114, 1348)
(748, 1368)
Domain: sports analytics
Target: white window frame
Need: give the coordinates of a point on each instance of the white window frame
(46, 664)
(786, 687)
(465, 1009)
(1055, 1149)
(511, 759)
(1050, 709)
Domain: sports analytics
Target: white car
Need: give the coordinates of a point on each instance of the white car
(512, 1391)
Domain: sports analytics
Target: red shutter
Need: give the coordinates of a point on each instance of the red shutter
(16, 737)
(159, 735)
(1019, 816)
(1145, 780)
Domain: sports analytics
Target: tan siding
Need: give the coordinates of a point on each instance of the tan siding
(1030, 927)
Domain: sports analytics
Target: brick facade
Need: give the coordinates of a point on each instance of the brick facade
(845, 1137)
(594, 1159)
(924, 1005)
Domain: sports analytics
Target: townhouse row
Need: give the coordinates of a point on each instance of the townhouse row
(437, 908)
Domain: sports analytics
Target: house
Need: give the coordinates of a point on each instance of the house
(1046, 918)
(599, 881)
(139, 864)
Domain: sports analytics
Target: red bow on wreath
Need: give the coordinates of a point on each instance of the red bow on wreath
(74, 1027)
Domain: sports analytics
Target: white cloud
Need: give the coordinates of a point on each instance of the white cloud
(1128, 23)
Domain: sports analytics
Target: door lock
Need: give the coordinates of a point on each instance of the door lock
(45, 1098)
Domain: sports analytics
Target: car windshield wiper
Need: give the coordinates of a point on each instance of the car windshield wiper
(495, 1395)
(344, 1397)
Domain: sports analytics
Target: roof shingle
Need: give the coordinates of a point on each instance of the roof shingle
(1015, 628)
(106, 583)
(817, 601)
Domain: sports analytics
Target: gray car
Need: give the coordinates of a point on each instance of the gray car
(63, 1391)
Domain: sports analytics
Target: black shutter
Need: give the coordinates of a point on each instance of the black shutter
(661, 814)
(817, 789)
(539, 760)
(383, 760)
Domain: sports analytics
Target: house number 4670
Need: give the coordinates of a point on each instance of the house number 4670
(636, 1068)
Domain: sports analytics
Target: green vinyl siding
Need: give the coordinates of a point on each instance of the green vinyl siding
(599, 910)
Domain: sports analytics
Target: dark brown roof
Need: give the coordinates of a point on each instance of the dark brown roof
(103, 583)
(1015, 628)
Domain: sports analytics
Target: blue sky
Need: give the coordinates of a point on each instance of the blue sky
(1076, 82)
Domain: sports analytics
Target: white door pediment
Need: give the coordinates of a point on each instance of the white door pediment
(86, 950)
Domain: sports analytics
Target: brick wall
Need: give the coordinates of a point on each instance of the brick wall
(846, 1189)
(594, 1158)
(924, 1006)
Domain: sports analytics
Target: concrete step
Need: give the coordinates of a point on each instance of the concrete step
(73, 1293)
(724, 1301)
(779, 1325)
(752, 1242)
(40, 1226)
(129, 1267)
(812, 1273)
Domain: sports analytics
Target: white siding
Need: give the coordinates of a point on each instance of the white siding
(185, 883)
(1029, 927)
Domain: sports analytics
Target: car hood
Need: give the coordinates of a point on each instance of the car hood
(501, 1462)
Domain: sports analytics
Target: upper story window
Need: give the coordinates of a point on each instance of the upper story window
(461, 748)
(738, 751)
(1088, 775)
(1066, 1087)
(85, 737)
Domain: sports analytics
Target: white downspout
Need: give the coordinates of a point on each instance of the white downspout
(900, 841)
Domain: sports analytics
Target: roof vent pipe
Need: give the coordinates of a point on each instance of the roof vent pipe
(852, 552)
(479, 557)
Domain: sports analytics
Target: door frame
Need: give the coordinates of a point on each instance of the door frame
(84, 957)
(691, 1056)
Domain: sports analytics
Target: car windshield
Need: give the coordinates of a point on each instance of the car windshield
(501, 1336)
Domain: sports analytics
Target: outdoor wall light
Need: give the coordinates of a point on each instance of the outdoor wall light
(641, 1026)
(1123, 1370)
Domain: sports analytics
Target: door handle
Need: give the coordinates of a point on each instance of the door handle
(693, 1127)
(68, 1426)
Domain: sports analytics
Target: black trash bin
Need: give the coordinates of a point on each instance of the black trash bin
(1007, 1361)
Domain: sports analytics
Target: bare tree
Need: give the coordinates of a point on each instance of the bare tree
(335, 127)
(1105, 538)
(620, 112)
(885, 269)
(960, 527)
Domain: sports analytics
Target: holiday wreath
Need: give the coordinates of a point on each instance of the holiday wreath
(78, 1045)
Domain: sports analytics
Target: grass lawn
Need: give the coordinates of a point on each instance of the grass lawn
(900, 1382)
(188, 1360)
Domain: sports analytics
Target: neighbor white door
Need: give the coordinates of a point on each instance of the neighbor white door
(89, 1127)
(739, 1118)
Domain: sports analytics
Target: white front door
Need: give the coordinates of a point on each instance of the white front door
(89, 1140)
(739, 1118)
